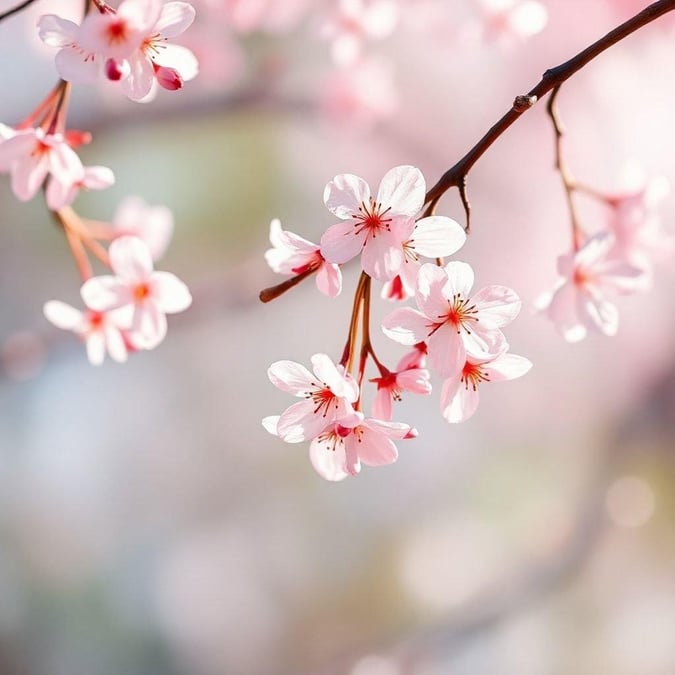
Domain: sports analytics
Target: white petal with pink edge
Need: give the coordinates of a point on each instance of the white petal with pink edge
(406, 326)
(372, 446)
(382, 256)
(329, 279)
(291, 377)
(402, 190)
(340, 243)
(506, 367)
(345, 194)
(459, 401)
(329, 461)
(174, 19)
(438, 236)
(55, 31)
(180, 58)
(497, 306)
(300, 423)
(447, 353)
(460, 279)
(430, 295)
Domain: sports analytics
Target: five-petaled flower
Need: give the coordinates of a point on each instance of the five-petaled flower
(143, 296)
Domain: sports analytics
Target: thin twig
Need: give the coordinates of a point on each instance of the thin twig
(456, 175)
(16, 10)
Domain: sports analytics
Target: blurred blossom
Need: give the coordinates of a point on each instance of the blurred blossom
(630, 501)
(375, 665)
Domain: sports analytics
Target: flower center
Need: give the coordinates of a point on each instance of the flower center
(370, 218)
(141, 292)
(472, 375)
(322, 399)
(116, 32)
(460, 312)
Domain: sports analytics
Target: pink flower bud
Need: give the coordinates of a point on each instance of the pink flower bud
(75, 137)
(116, 70)
(168, 78)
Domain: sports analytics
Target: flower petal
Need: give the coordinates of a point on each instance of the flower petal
(300, 423)
(181, 59)
(406, 326)
(64, 316)
(148, 327)
(96, 348)
(174, 19)
(329, 279)
(447, 353)
(55, 31)
(340, 243)
(169, 293)
(496, 306)
(130, 259)
(437, 237)
(382, 256)
(328, 460)
(372, 446)
(506, 367)
(460, 278)
(430, 294)
(458, 401)
(345, 194)
(105, 293)
(292, 377)
(402, 190)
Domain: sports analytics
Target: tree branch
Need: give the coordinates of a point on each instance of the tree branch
(553, 78)
(16, 10)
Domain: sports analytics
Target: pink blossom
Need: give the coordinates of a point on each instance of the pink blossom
(30, 155)
(339, 450)
(272, 16)
(509, 20)
(359, 95)
(459, 397)
(99, 330)
(291, 254)
(391, 384)
(355, 21)
(152, 224)
(328, 396)
(451, 321)
(145, 296)
(578, 302)
(134, 42)
(60, 194)
(74, 63)
(372, 225)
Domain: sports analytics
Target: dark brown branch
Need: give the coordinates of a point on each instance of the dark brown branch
(16, 10)
(273, 292)
(553, 78)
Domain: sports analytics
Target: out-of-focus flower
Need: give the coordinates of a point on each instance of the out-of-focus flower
(509, 20)
(578, 303)
(59, 194)
(328, 394)
(30, 155)
(152, 224)
(145, 296)
(99, 330)
(272, 16)
(451, 321)
(291, 254)
(371, 224)
(353, 22)
(339, 450)
(459, 397)
(359, 95)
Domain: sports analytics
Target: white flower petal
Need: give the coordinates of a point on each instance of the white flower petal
(64, 316)
(403, 190)
(169, 293)
(130, 259)
(345, 194)
(437, 237)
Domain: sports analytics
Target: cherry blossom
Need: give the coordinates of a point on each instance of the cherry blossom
(451, 321)
(328, 396)
(132, 42)
(459, 397)
(355, 21)
(152, 224)
(509, 20)
(30, 155)
(291, 254)
(408, 376)
(372, 225)
(74, 63)
(339, 450)
(578, 302)
(100, 330)
(145, 295)
(60, 194)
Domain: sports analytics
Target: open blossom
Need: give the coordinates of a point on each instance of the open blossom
(145, 296)
(450, 320)
(384, 228)
(578, 303)
(328, 396)
(408, 376)
(509, 20)
(340, 449)
(30, 155)
(291, 254)
(99, 330)
(355, 21)
(60, 194)
(152, 224)
(459, 397)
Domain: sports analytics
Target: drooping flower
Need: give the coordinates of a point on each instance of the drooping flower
(146, 296)
(291, 254)
(30, 155)
(372, 225)
(459, 396)
(328, 396)
(339, 450)
(100, 330)
(451, 321)
(578, 302)
(407, 377)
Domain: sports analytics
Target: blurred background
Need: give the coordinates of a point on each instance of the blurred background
(148, 523)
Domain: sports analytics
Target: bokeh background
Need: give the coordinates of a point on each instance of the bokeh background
(150, 526)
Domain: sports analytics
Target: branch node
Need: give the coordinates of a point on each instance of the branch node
(523, 103)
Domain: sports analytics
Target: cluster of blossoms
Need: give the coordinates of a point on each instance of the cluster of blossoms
(615, 260)
(458, 333)
(124, 311)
